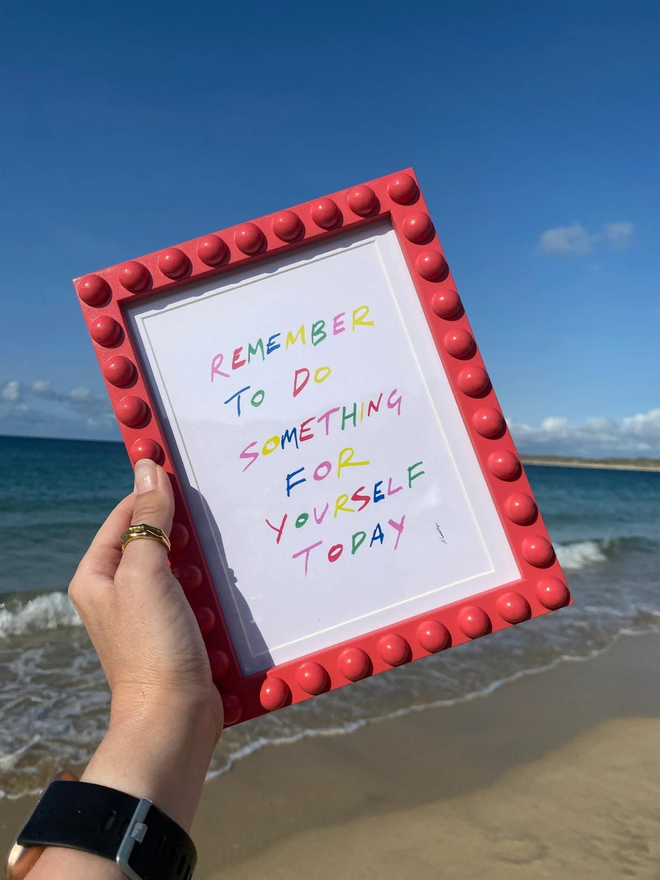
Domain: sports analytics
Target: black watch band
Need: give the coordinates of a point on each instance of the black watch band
(144, 842)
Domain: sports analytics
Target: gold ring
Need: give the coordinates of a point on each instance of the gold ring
(144, 531)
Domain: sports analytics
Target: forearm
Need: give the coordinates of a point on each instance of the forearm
(161, 753)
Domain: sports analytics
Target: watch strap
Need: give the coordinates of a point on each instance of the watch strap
(145, 843)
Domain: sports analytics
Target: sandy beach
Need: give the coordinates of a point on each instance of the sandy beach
(552, 775)
(587, 809)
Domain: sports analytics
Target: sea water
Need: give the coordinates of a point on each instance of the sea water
(53, 696)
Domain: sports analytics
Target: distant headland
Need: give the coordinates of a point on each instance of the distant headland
(612, 464)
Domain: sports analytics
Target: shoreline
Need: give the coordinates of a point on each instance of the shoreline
(589, 464)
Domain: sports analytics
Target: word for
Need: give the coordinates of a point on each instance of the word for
(324, 469)
(317, 334)
(360, 497)
(297, 435)
(357, 540)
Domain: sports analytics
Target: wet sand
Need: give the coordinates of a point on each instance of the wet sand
(555, 775)
(588, 809)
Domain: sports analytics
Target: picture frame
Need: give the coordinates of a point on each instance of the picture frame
(153, 322)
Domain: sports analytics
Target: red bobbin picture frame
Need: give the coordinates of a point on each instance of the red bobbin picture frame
(104, 297)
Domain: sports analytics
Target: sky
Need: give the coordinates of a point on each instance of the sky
(533, 128)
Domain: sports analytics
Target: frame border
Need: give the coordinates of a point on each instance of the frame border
(397, 198)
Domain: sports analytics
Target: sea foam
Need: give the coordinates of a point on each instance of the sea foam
(581, 554)
(54, 610)
(46, 612)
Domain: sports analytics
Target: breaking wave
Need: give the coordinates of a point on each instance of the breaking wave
(45, 612)
(579, 554)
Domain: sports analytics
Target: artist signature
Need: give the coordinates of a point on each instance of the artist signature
(442, 537)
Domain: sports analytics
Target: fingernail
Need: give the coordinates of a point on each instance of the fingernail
(146, 476)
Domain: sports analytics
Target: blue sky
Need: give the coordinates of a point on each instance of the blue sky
(533, 127)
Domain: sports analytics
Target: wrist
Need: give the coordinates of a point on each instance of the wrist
(159, 749)
(196, 712)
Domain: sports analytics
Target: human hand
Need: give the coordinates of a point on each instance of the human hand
(135, 611)
(166, 713)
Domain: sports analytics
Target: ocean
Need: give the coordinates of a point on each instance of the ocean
(53, 696)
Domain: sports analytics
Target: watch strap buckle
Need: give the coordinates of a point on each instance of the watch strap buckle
(134, 834)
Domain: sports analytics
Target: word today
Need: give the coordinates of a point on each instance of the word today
(378, 537)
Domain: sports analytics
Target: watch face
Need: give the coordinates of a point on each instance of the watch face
(22, 859)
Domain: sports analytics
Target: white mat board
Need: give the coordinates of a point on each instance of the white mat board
(431, 532)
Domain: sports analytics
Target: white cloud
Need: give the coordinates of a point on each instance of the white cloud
(37, 409)
(81, 399)
(637, 435)
(11, 391)
(565, 240)
(574, 240)
(80, 394)
(619, 234)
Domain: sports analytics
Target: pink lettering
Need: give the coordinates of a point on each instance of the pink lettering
(316, 518)
(307, 551)
(398, 528)
(326, 416)
(252, 456)
(215, 367)
(390, 490)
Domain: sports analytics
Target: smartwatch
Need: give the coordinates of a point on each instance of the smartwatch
(144, 842)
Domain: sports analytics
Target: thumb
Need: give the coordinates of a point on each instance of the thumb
(153, 506)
